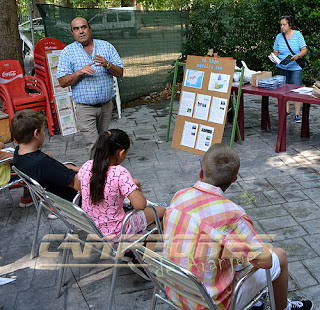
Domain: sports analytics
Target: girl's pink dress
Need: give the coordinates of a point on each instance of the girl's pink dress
(109, 214)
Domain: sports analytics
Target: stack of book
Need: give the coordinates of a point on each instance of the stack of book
(273, 82)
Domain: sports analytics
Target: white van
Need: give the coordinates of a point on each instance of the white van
(121, 19)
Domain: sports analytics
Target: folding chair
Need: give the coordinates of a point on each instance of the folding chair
(38, 197)
(75, 220)
(7, 186)
(165, 273)
(117, 95)
(37, 192)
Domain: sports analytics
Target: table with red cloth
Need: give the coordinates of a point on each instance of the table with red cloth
(306, 100)
(283, 94)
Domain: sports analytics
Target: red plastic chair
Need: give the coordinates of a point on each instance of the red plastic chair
(13, 91)
(41, 68)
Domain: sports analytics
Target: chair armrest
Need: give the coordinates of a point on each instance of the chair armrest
(245, 277)
(36, 83)
(156, 217)
(76, 199)
(9, 159)
(6, 99)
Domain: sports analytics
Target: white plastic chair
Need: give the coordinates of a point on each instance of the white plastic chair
(117, 93)
(164, 273)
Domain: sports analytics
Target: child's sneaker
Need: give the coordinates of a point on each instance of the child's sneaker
(52, 216)
(297, 119)
(299, 305)
(25, 202)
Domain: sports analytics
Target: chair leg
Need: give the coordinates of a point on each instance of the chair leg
(65, 269)
(270, 290)
(7, 191)
(62, 271)
(113, 283)
(35, 238)
(154, 299)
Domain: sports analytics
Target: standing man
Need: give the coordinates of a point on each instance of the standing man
(88, 66)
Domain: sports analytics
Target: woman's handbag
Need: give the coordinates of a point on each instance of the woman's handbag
(302, 62)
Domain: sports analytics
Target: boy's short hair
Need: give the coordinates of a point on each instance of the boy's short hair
(24, 123)
(220, 165)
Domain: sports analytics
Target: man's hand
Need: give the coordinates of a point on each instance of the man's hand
(71, 79)
(88, 70)
(100, 61)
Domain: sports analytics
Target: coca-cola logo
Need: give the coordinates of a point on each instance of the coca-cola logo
(9, 74)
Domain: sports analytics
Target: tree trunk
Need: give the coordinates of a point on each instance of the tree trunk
(10, 44)
(35, 12)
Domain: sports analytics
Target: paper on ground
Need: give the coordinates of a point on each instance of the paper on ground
(4, 281)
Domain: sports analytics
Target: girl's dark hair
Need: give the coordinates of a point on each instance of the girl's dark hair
(288, 19)
(106, 146)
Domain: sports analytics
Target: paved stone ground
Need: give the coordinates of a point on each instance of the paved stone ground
(280, 192)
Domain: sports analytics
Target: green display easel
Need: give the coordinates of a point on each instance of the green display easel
(235, 110)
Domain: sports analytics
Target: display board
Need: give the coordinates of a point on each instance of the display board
(65, 107)
(53, 60)
(204, 103)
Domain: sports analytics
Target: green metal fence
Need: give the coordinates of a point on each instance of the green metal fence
(148, 42)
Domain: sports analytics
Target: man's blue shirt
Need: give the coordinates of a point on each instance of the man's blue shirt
(89, 89)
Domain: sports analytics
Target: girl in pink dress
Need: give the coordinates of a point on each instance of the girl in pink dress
(105, 184)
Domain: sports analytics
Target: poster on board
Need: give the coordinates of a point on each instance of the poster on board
(53, 60)
(66, 114)
(204, 100)
(65, 107)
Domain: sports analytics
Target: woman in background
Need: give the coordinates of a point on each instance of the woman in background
(292, 71)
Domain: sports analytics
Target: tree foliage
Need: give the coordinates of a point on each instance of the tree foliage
(246, 30)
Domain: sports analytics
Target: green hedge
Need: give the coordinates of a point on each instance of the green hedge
(246, 30)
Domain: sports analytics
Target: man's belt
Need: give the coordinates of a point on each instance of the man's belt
(97, 105)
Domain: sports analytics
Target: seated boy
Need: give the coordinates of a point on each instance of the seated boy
(27, 127)
(7, 175)
(209, 234)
